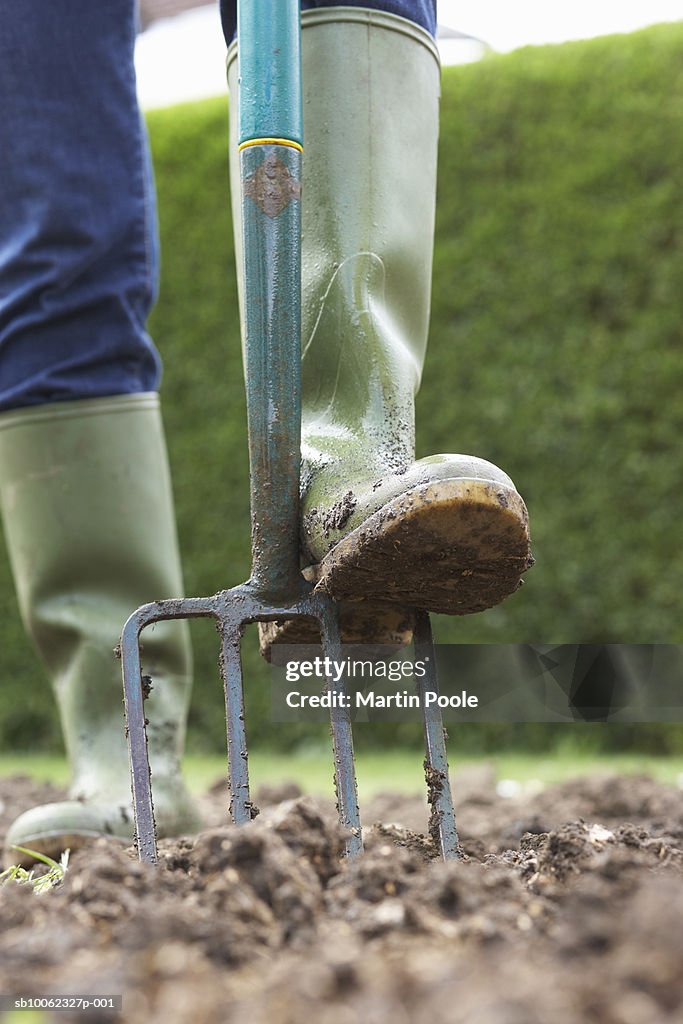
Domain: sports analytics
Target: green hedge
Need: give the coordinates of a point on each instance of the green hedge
(555, 352)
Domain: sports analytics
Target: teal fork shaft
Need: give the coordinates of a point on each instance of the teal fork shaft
(269, 36)
(270, 166)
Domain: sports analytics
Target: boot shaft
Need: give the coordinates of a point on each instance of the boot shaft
(371, 97)
(88, 517)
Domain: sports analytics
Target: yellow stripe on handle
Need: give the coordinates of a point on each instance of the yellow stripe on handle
(270, 142)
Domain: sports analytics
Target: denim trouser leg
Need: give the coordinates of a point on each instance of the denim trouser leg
(78, 239)
(423, 12)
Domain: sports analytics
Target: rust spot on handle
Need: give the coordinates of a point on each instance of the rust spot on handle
(272, 187)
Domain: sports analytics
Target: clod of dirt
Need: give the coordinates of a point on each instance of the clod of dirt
(276, 793)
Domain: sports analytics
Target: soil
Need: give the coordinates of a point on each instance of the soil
(567, 907)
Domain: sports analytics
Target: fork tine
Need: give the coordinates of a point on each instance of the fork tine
(241, 807)
(345, 783)
(442, 826)
(133, 696)
(141, 783)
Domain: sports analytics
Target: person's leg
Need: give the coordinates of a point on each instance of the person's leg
(78, 238)
(84, 483)
(448, 533)
(421, 12)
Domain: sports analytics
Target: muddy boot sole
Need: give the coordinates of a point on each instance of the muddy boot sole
(452, 546)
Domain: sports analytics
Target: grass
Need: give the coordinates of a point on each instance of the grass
(398, 770)
(25, 1017)
(39, 883)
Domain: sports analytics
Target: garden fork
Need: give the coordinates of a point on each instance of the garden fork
(271, 149)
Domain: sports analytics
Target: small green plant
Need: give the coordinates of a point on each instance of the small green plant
(42, 883)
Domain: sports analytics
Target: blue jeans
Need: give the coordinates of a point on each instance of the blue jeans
(421, 11)
(78, 231)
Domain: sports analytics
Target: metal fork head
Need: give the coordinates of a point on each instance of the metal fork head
(232, 610)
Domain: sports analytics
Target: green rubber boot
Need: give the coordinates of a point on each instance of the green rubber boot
(447, 533)
(88, 515)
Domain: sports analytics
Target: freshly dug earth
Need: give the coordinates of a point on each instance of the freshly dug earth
(566, 907)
